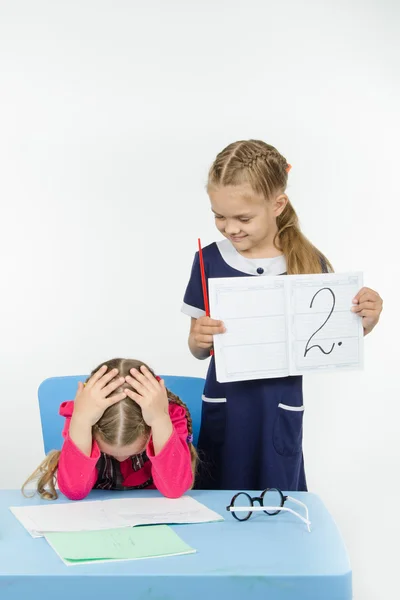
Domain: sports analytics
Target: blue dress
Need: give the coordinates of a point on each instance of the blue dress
(251, 431)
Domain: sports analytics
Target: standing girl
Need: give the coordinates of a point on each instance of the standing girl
(251, 431)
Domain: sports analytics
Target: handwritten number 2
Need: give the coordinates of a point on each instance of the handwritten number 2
(308, 348)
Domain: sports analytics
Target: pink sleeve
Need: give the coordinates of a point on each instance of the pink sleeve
(77, 472)
(171, 468)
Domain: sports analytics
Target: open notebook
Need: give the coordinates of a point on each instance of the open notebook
(285, 325)
(111, 514)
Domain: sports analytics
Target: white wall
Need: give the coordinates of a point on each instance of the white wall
(110, 114)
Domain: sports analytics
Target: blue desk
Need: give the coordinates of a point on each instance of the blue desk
(266, 557)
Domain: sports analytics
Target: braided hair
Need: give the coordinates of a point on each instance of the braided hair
(193, 453)
(121, 423)
(261, 166)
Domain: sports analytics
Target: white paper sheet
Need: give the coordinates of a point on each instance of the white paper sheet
(112, 514)
(285, 325)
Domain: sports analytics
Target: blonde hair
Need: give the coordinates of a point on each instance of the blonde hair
(266, 170)
(121, 424)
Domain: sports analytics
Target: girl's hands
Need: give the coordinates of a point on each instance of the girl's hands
(96, 396)
(203, 331)
(150, 394)
(368, 305)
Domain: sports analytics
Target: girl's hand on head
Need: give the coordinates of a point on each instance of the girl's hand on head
(150, 394)
(368, 305)
(203, 331)
(96, 396)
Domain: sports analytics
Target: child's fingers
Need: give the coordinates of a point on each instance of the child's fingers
(112, 386)
(110, 400)
(137, 386)
(209, 322)
(153, 381)
(367, 313)
(204, 344)
(96, 376)
(203, 339)
(364, 305)
(210, 326)
(210, 330)
(218, 325)
(357, 296)
(106, 378)
(133, 396)
(367, 294)
(142, 379)
(80, 387)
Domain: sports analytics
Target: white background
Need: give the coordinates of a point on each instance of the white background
(110, 115)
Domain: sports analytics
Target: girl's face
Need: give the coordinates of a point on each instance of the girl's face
(247, 219)
(121, 453)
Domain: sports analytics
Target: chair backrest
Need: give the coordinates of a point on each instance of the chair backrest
(55, 390)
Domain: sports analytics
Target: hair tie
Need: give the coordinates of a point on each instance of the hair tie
(190, 439)
(288, 168)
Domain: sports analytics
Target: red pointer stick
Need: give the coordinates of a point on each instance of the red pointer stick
(204, 285)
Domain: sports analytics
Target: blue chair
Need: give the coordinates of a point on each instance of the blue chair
(55, 390)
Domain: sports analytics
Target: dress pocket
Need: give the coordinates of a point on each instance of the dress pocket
(213, 421)
(288, 429)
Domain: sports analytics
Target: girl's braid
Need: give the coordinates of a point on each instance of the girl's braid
(173, 398)
(193, 453)
(250, 157)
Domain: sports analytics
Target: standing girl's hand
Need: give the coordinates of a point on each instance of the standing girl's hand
(201, 336)
(368, 305)
(203, 331)
(150, 394)
(96, 396)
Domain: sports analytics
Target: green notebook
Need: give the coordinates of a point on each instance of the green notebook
(128, 543)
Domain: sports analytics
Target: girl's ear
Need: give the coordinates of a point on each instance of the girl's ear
(279, 204)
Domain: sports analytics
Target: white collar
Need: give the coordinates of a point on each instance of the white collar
(269, 266)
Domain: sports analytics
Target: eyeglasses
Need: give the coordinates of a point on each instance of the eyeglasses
(271, 502)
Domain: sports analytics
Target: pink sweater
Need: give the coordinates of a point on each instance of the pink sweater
(169, 471)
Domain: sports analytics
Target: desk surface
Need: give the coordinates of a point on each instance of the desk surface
(272, 557)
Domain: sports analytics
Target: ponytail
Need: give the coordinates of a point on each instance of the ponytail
(45, 475)
(300, 254)
(193, 452)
